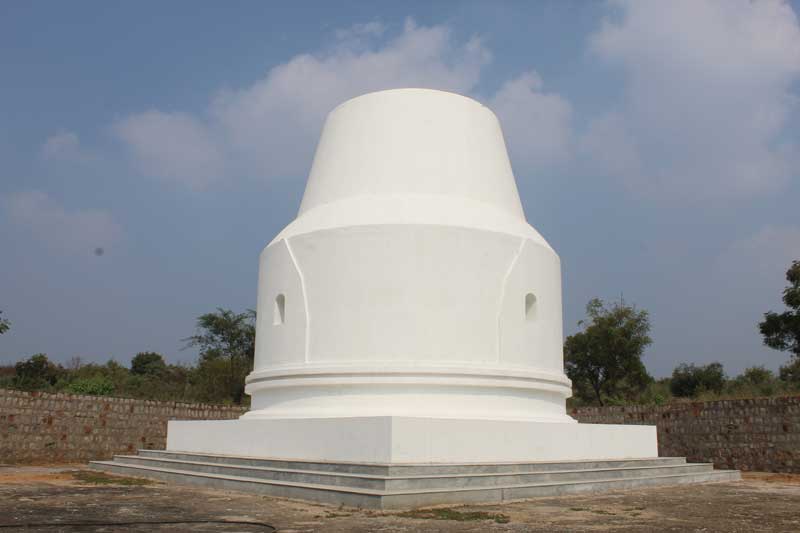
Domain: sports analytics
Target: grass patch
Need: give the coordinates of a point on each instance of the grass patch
(100, 478)
(451, 514)
(588, 510)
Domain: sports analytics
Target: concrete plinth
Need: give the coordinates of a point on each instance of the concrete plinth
(394, 462)
(389, 439)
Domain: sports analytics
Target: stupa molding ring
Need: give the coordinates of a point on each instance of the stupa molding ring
(370, 372)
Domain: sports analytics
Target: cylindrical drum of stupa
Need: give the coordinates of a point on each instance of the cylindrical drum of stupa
(410, 283)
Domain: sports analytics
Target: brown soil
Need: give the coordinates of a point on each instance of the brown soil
(50, 499)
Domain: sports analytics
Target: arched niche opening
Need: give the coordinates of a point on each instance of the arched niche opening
(279, 311)
(530, 306)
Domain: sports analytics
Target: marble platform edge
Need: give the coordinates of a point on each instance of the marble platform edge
(413, 440)
(377, 499)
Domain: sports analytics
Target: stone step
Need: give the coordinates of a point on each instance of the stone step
(410, 469)
(414, 481)
(405, 498)
(507, 494)
(331, 494)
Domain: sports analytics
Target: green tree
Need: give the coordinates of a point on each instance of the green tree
(656, 393)
(210, 381)
(172, 383)
(689, 380)
(148, 364)
(782, 331)
(790, 372)
(36, 373)
(756, 375)
(7, 373)
(230, 337)
(755, 381)
(115, 372)
(95, 386)
(604, 360)
(4, 324)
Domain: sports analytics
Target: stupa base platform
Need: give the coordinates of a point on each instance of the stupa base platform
(401, 486)
(399, 439)
(402, 462)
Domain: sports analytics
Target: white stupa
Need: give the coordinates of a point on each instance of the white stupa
(409, 312)
(408, 344)
(410, 283)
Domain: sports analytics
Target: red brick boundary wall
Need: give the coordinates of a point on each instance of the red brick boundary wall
(761, 434)
(38, 427)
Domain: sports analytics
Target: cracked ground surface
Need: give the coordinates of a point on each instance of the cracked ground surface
(71, 499)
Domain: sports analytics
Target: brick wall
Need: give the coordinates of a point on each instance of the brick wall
(760, 434)
(37, 427)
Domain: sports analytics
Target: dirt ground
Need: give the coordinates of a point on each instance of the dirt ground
(72, 499)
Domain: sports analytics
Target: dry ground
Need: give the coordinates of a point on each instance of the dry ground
(74, 499)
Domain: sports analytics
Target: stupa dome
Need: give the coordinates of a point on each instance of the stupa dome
(410, 283)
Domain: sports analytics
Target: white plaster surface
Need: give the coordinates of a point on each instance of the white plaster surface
(413, 440)
(405, 275)
(410, 313)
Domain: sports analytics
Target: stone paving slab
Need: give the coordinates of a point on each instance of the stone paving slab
(54, 497)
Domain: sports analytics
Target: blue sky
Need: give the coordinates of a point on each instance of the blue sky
(654, 145)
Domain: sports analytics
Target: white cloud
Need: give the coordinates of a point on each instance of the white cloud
(80, 231)
(708, 93)
(270, 128)
(62, 145)
(273, 125)
(535, 123)
(611, 147)
(175, 146)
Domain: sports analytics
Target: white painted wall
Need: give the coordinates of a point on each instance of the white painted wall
(280, 344)
(412, 141)
(405, 275)
(412, 440)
